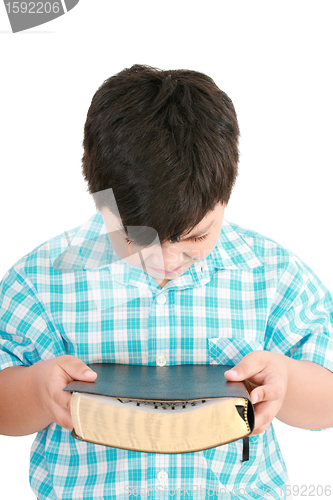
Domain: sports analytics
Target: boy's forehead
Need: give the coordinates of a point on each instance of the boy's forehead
(209, 220)
(203, 226)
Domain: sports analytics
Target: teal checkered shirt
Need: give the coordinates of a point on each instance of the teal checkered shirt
(72, 295)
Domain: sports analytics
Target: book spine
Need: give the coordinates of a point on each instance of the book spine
(75, 414)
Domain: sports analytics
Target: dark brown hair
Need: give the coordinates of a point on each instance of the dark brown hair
(166, 142)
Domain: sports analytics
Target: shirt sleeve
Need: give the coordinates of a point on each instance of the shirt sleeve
(27, 334)
(301, 321)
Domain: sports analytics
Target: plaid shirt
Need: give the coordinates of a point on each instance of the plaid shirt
(72, 295)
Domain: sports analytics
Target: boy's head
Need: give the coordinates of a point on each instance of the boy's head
(166, 142)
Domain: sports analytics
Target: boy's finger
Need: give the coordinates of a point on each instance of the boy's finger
(268, 392)
(63, 418)
(61, 398)
(264, 414)
(60, 415)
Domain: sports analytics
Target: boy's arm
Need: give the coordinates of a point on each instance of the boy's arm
(21, 410)
(308, 402)
(32, 397)
(297, 392)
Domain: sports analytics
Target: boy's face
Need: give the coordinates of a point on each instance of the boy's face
(170, 260)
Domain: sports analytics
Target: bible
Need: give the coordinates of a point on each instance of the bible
(169, 409)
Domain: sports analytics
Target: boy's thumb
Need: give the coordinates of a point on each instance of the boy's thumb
(89, 374)
(77, 369)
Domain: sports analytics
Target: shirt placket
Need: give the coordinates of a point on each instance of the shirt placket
(158, 354)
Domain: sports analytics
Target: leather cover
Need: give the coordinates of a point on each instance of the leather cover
(156, 383)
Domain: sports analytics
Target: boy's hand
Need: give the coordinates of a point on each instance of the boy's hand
(268, 373)
(51, 377)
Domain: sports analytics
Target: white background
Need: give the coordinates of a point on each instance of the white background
(274, 59)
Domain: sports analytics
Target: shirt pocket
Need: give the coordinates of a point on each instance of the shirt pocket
(230, 350)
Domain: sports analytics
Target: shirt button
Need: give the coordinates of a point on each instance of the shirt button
(161, 299)
(162, 476)
(161, 360)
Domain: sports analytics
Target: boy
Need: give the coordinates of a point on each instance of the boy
(158, 277)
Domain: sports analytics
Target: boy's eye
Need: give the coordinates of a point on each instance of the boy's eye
(195, 238)
(130, 242)
(198, 238)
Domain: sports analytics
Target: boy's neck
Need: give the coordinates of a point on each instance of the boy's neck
(161, 285)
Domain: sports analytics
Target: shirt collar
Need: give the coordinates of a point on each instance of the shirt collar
(89, 248)
(232, 251)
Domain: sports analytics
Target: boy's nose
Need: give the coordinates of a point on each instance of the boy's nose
(166, 260)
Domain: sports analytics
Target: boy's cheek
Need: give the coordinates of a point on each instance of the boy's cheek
(188, 252)
(200, 254)
(172, 253)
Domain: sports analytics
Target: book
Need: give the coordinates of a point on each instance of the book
(169, 409)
